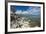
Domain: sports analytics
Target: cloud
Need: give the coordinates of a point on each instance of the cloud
(25, 12)
(30, 10)
(34, 10)
(21, 12)
(18, 12)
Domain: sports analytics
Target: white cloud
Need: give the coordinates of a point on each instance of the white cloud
(25, 12)
(34, 10)
(28, 11)
(21, 12)
(18, 12)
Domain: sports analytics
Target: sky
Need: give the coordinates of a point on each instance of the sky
(34, 10)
